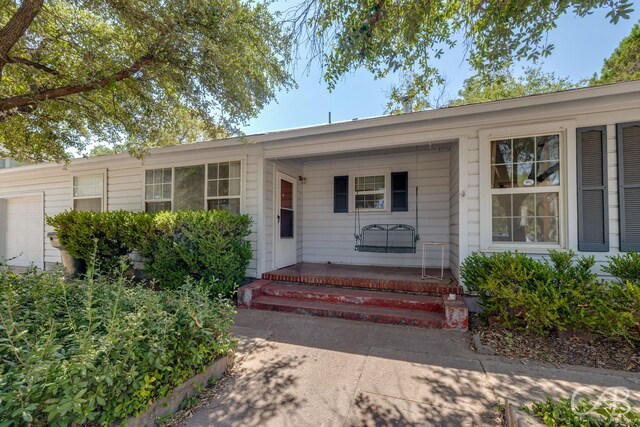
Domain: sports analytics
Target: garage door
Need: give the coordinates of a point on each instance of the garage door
(24, 235)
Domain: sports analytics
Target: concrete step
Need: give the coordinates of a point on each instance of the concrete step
(395, 316)
(355, 296)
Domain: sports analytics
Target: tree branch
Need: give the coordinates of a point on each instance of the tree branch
(15, 28)
(7, 104)
(25, 61)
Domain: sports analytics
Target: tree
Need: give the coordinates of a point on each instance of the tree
(117, 71)
(624, 62)
(181, 128)
(405, 36)
(505, 85)
(478, 88)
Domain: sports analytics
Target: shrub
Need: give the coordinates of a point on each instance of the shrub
(111, 235)
(98, 351)
(583, 413)
(559, 293)
(209, 246)
(626, 268)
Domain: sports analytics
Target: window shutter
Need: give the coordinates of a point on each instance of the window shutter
(341, 194)
(629, 185)
(593, 190)
(399, 191)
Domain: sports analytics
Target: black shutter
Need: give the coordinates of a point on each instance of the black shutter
(399, 191)
(629, 185)
(341, 194)
(593, 190)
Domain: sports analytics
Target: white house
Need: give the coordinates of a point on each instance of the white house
(559, 170)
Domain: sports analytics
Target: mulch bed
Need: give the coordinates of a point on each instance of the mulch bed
(599, 353)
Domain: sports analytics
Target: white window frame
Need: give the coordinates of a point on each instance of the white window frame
(206, 184)
(173, 167)
(103, 173)
(564, 130)
(386, 172)
(144, 189)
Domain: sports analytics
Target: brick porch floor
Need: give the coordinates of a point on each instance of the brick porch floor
(404, 279)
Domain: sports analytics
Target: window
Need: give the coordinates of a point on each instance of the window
(88, 191)
(223, 186)
(525, 190)
(157, 190)
(189, 191)
(197, 187)
(370, 192)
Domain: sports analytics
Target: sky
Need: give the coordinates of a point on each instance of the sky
(581, 45)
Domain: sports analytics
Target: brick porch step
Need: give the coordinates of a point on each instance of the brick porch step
(427, 286)
(447, 312)
(354, 296)
(395, 316)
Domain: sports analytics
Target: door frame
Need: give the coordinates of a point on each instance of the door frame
(277, 246)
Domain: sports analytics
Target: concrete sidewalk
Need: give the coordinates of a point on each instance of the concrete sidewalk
(311, 371)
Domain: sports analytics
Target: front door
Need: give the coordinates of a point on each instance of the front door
(285, 221)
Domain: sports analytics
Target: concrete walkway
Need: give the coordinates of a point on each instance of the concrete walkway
(310, 371)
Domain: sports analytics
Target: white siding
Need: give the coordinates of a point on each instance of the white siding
(328, 236)
(125, 187)
(554, 115)
(125, 181)
(450, 201)
(56, 187)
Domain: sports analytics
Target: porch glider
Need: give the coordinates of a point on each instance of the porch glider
(387, 238)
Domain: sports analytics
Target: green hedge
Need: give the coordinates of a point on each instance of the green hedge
(110, 235)
(203, 245)
(208, 246)
(560, 292)
(96, 351)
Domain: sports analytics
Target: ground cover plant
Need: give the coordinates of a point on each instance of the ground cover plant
(558, 293)
(584, 412)
(97, 350)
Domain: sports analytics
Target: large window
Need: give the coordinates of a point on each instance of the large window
(88, 192)
(189, 191)
(525, 190)
(197, 187)
(370, 192)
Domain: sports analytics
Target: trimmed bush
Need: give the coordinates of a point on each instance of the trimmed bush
(209, 246)
(625, 267)
(109, 235)
(97, 351)
(561, 293)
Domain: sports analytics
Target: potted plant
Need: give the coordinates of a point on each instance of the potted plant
(72, 265)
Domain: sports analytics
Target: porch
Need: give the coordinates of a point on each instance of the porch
(357, 218)
(403, 279)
